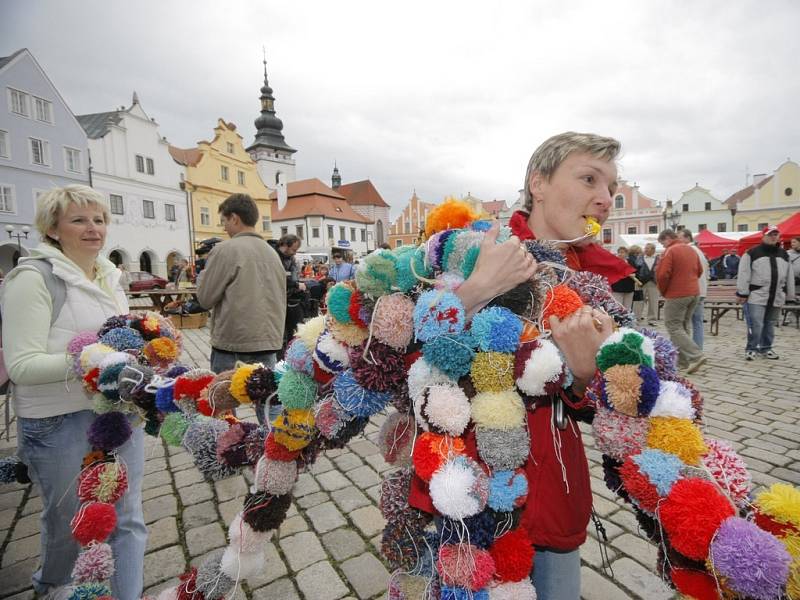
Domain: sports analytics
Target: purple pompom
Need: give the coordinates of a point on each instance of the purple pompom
(177, 370)
(109, 431)
(649, 390)
(754, 562)
(84, 338)
(666, 362)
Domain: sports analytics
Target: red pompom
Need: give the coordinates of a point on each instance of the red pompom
(774, 527)
(432, 450)
(190, 384)
(93, 522)
(90, 379)
(465, 565)
(113, 486)
(354, 309)
(320, 375)
(561, 302)
(204, 408)
(638, 485)
(275, 451)
(187, 590)
(513, 556)
(691, 514)
(697, 585)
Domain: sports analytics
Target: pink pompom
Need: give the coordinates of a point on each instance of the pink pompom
(729, 470)
(393, 322)
(465, 565)
(96, 563)
(619, 435)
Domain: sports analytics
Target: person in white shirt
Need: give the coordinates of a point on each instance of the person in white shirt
(685, 236)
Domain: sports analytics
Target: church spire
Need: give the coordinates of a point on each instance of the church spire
(336, 179)
(269, 128)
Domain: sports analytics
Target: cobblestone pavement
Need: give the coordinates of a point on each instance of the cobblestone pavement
(327, 547)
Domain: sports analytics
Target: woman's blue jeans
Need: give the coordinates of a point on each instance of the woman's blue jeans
(557, 575)
(53, 449)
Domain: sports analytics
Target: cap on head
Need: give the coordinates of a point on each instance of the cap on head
(769, 229)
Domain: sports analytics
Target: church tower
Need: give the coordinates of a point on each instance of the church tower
(269, 150)
(336, 179)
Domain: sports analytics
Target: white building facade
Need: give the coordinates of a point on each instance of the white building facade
(132, 167)
(42, 146)
(697, 210)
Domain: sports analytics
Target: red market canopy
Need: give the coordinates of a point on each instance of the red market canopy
(713, 246)
(788, 228)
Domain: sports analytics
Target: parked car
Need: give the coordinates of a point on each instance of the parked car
(141, 281)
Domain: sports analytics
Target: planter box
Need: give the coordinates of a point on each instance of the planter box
(195, 321)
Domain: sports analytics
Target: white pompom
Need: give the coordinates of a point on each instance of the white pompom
(168, 594)
(445, 408)
(512, 590)
(674, 400)
(421, 375)
(331, 355)
(115, 358)
(245, 538)
(460, 488)
(242, 565)
(544, 366)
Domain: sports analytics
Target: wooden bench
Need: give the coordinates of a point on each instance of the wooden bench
(790, 309)
(720, 298)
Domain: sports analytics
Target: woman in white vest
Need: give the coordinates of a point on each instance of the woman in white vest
(53, 411)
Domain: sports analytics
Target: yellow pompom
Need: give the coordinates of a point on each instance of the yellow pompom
(238, 387)
(792, 543)
(781, 501)
(450, 214)
(492, 371)
(680, 437)
(348, 334)
(310, 331)
(793, 583)
(294, 429)
(498, 410)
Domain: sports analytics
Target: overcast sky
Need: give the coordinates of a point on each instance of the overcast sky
(444, 97)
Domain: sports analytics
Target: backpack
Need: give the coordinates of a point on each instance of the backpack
(58, 293)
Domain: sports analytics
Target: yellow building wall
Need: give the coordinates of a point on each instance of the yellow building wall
(775, 201)
(209, 189)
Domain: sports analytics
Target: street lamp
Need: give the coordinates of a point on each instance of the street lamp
(18, 235)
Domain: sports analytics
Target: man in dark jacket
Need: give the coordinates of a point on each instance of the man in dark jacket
(646, 273)
(730, 265)
(288, 246)
(764, 285)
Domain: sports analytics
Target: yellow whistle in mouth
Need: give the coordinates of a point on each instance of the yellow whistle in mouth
(592, 226)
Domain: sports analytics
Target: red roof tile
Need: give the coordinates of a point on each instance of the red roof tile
(311, 197)
(185, 156)
(361, 193)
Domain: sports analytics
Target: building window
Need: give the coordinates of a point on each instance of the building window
(205, 217)
(148, 209)
(741, 227)
(652, 229)
(407, 228)
(363, 235)
(315, 233)
(633, 230)
(5, 151)
(223, 172)
(44, 110)
(702, 227)
(116, 205)
(422, 224)
(169, 212)
(398, 243)
(240, 177)
(40, 152)
(298, 231)
(72, 160)
(139, 163)
(619, 201)
(266, 224)
(151, 167)
(761, 226)
(787, 192)
(685, 208)
(606, 236)
(19, 102)
(708, 205)
(6, 199)
(330, 232)
(722, 227)
(342, 233)
(229, 147)
(284, 231)
(352, 234)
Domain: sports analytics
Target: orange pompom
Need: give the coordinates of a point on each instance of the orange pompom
(561, 302)
(450, 214)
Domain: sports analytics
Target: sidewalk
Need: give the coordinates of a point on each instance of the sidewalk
(328, 546)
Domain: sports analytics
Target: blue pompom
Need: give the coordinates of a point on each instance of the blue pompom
(496, 329)
(176, 371)
(123, 338)
(451, 354)
(356, 400)
(89, 591)
(165, 399)
(650, 388)
(438, 313)
(459, 593)
(298, 357)
(663, 469)
(108, 381)
(506, 488)
(480, 528)
(8, 469)
(481, 225)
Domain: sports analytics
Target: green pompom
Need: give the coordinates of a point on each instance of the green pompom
(338, 303)
(172, 429)
(418, 261)
(470, 258)
(102, 405)
(296, 390)
(405, 280)
(628, 351)
(151, 427)
(378, 275)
